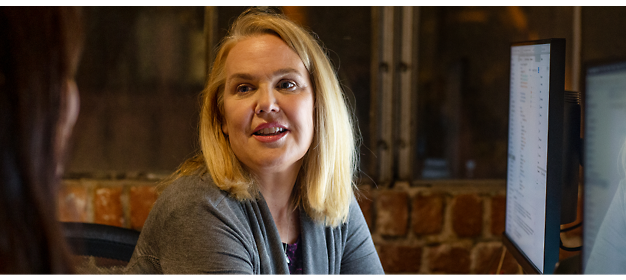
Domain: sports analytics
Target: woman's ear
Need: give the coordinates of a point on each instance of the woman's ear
(225, 127)
(72, 107)
(74, 102)
(68, 115)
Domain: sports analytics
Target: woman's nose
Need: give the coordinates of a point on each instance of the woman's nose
(266, 101)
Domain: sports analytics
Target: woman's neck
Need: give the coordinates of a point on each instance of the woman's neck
(277, 185)
(276, 188)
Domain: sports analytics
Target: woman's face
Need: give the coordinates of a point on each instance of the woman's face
(268, 105)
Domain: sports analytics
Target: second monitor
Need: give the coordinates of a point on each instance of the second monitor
(535, 153)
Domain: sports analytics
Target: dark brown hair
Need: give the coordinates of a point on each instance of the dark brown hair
(39, 49)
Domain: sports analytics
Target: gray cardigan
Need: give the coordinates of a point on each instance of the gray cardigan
(194, 227)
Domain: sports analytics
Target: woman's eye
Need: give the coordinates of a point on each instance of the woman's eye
(287, 85)
(243, 88)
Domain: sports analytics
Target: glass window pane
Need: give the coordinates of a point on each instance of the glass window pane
(139, 78)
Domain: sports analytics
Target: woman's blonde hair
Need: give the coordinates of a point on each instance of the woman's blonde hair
(324, 187)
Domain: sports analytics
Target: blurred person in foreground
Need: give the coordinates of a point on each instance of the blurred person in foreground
(39, 53)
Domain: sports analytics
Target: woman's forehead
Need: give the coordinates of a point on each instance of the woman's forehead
(262, 54)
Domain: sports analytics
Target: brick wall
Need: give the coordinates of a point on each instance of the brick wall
(435, 227)
(450, 227)
(122, 202)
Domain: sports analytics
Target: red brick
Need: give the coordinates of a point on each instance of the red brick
(392, 213)
(108, 206)
(449, 260)
(141, 200)
(72, 200)
(398, 259)
(467, 215)
(427, 214)
(488, 258)
(498, 214)
(365, 199)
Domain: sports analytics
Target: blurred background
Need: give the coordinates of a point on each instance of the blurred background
(428, 85)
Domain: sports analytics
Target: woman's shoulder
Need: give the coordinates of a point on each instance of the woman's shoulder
(192, 198)
(355, 211)
(185, 228)
(193, 190)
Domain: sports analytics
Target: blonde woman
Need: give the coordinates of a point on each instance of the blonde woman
(271, 191)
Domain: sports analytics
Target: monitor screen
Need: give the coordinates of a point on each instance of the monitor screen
(534, 153)
(604, 216)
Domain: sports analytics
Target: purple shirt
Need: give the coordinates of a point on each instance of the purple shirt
(294, 253)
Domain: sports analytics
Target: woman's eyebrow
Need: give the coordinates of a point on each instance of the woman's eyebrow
(286, 71)
(246, 76)
(242, 76)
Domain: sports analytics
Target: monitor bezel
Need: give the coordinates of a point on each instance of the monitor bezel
(554, 161)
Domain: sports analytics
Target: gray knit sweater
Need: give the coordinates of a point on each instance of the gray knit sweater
(194, 227)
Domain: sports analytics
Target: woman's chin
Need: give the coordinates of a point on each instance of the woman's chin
(269, 165)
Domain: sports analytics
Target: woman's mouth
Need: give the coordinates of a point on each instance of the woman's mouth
(270, 134)
(270, 131)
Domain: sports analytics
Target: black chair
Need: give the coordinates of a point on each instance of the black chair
(102, 241)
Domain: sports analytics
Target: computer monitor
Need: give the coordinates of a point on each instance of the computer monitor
(535, 154)
(604, 207)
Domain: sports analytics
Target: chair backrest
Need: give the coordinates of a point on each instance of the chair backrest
(103, 241)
